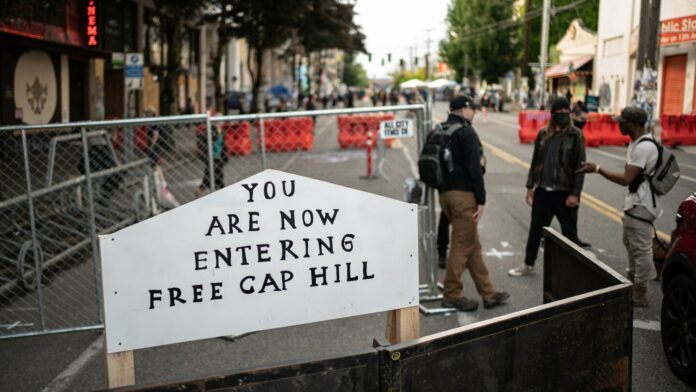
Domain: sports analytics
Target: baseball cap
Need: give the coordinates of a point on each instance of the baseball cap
(632, 114)
(462, 101)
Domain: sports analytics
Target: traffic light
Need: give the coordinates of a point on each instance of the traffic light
(402, 63)
(383, 62)
(389, 57)
(369, 57)
(415, 61)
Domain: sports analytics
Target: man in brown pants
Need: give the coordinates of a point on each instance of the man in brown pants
(462, 198)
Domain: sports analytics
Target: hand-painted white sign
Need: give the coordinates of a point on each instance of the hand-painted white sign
(395, 129)
(270, 251)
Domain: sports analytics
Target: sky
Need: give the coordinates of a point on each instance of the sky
(392, 26)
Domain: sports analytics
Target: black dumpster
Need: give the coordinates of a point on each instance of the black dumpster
(578, 340)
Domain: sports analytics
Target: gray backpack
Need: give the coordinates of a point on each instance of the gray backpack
(666, 172)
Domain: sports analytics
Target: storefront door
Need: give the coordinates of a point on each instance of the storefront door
(673, 84)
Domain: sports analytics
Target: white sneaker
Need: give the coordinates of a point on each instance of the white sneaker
(524, 269)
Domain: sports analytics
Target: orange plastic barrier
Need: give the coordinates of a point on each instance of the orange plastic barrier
(237, 136)
(353, 129)
(531, 121)
(678, 129)
(610, 133)
(140, 136)
(592, 130)
(289, 134)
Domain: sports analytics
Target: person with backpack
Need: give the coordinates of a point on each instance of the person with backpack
(553, 185)
(650, 172)
(451, 162)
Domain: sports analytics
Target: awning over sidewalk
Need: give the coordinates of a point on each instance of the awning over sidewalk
(563, 69)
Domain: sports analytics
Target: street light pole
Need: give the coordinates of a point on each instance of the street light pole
(544, 49)
(646, 58)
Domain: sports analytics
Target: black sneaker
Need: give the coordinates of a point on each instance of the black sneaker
(585, 245)
(497, 299)
(463, 304)
(442, 262)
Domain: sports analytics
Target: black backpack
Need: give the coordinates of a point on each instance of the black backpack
(436, 157)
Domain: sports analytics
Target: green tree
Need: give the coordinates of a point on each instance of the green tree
(475, 40)
(179, 12)
(403, 76)
(265, 25)
(329, 24)
(353, 73)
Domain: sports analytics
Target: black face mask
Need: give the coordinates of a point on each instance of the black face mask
(561, 118)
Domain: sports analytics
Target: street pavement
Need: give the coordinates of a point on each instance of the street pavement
(75, 361)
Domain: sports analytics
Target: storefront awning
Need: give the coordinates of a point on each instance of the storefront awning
(563, 69)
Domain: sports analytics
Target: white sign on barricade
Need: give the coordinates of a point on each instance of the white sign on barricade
(270, 251)
(395, 129)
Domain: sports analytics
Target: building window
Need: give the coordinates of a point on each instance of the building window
(612, 46)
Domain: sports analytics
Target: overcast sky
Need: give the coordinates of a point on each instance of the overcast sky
(392, 26)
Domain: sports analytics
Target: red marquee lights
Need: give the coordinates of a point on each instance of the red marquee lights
(91, 24)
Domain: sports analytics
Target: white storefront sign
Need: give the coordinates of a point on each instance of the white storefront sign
(35, 88)
(270, 251)
(395, 129)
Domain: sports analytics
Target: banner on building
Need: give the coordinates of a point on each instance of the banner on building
(678, 30)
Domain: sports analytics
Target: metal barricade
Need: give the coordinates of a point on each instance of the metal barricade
(61, 185)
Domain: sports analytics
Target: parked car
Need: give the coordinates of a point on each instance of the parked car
(678, 316)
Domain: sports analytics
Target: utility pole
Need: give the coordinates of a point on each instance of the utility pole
(427, 57)
(646, 58)
(527, 27)
(544, 49)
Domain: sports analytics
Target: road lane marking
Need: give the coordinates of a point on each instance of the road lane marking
(65, 378)
(591, 201)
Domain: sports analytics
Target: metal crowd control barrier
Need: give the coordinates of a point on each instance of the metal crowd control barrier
(579, 340)
(63, 184)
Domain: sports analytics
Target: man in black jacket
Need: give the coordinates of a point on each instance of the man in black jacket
(462, 198)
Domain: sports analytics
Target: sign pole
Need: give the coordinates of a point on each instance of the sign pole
(120, 369)
(403, 324)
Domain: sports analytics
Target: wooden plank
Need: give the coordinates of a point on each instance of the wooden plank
(120, 369)
(403, 324)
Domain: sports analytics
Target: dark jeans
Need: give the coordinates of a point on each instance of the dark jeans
(218, 168)
(546, 205)
(443, 235)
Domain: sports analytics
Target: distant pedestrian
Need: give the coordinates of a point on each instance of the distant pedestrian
(641, 205)
(579, 114)
(553, 183)
(349, 99)
(462, 198)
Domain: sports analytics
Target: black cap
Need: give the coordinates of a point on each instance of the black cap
(560, 103)
(461, 102)
(632, 114)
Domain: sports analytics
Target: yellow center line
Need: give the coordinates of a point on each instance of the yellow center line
(587, 199)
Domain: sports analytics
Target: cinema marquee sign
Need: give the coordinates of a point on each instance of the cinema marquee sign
(270, 251)
(678, 30)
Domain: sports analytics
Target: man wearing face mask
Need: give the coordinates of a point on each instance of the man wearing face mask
(553, 183)
(462, 198)
(641, 205)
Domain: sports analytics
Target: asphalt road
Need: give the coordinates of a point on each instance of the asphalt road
(75, 361)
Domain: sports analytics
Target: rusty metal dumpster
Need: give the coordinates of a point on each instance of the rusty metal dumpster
(579, 339)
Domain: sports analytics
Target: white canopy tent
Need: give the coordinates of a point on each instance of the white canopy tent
(440, 83)
(413, 83)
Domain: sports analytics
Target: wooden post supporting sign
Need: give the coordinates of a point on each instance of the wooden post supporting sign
(403, 324)
(120, 369)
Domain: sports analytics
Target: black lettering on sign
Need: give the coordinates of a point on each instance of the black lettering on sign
(291, 192)
(197, 259)
(324, 245)
(250, 289)
(197, 292)
(347, 243)
(155, 295)
(269, 190)
(350, 278)
(175, 296)
(316, 276)
(289, 218)
(225, 257)
(286, 246)
(253, 221)
(250, 189)
(215, 224)
(365, 274)
(325, 217)
(269, 281)
(307, 218)
(216, 291)
(244, 249)
(262, 250)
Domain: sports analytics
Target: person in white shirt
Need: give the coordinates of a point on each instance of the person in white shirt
(641, 205)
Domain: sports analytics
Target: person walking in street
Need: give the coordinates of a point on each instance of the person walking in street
(641, 206)
(553, 183)
(462, 197)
